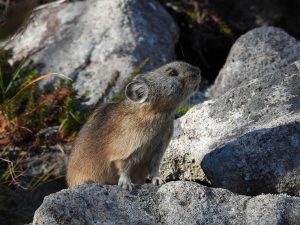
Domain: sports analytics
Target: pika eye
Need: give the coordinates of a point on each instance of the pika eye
(173, 73)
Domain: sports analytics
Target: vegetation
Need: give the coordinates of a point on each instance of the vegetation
(181, 110)
(27, 111)
(198, 11)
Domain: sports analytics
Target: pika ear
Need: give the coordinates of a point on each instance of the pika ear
(137, 91)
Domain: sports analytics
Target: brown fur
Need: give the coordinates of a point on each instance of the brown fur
(126, 140)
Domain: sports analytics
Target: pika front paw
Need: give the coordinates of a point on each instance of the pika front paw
(157, 181)
(125, 183)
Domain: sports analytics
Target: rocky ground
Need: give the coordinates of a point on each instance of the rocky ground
(233, 159)
(177, 202)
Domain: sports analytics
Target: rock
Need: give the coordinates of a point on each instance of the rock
(89, 41)
(264, 160)
(191, 203)
(247, 140)
(173, 203)
(258, 52)
(93, 204)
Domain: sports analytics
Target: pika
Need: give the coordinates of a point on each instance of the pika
(123, 143)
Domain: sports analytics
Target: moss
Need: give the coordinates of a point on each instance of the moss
(119, 96)
(181, 110)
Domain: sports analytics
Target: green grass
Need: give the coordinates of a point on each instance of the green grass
(25, 110)
(23, 104)
(181, 110)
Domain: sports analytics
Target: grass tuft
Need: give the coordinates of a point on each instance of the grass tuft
(25, 111)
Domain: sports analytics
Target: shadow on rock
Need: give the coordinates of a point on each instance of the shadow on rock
(18, 207)
(262, 161)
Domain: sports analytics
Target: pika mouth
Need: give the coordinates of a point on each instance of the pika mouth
(195, 76)
(196, 79)
(192, 81)
(196, 88)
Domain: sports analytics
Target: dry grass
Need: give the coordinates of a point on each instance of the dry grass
(32, 122)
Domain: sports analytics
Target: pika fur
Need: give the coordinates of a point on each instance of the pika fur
(123, 143)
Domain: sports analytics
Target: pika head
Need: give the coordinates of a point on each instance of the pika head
(166, 87)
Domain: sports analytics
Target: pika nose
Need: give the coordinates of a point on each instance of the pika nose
(195, 69)
(194, 72)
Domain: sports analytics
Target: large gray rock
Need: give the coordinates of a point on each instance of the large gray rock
(93, 204)
(248, 140)
(264, 160)
(191, 203)
(89, 40)
(258, 52)
(173, 203)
